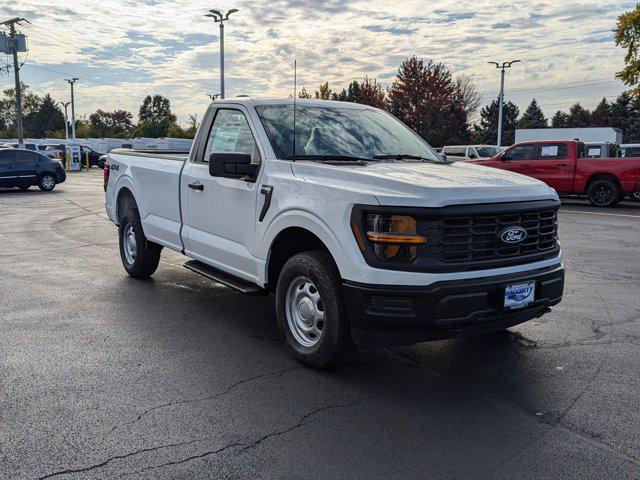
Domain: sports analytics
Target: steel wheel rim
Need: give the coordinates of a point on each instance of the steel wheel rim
(305, 312)
(129, 243)
(48, 182)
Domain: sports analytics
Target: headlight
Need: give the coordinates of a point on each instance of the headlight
(392, 237)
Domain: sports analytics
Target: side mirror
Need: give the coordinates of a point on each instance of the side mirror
(233, 165)
(444, 157)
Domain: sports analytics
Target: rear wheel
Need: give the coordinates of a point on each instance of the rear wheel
(604, 193)
(47, 182)
(310, 309)
(140, 257)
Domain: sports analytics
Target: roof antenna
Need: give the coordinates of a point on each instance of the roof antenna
(295, 94)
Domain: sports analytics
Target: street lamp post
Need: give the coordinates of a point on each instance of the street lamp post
(218, 17)
(73, 109)
(66, 120)
(502, 68)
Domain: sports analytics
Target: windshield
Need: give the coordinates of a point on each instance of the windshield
(340, 132)
(486, 152)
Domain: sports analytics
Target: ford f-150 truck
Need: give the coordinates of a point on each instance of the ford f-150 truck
(562, 165)
(366, 235)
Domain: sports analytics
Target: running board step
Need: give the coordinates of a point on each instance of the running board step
(223, 278)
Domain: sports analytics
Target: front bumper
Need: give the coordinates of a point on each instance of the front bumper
(62, 176)
(401, 315)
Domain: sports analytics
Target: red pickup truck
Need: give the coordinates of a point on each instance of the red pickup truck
(562, 166)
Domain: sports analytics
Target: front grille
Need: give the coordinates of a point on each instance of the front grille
(474, 238)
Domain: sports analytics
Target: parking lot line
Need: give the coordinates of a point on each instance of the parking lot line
(601, 213)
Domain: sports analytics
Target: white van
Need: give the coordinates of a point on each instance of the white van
(470, 152)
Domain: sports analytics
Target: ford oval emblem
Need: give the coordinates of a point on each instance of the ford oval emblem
(512, 235)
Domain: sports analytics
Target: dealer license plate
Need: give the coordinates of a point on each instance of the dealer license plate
(519, 296)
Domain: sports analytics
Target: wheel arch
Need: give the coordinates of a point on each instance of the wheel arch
(295, 233)
(601, 176)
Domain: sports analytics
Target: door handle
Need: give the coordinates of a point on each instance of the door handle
(267, 191)
(561, 164)
(196, 186)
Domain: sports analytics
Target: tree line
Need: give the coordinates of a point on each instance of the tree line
(44, 117)
(424, 94)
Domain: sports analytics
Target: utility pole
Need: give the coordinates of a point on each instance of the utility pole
(219, 18)
(71, 81)
(16, 70)
(502, 68)
(66, 120)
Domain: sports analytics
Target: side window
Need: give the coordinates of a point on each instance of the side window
(26, 159)
(594, 152)
(6, 158)
(230, 133)
(549, 151)
(521, 152)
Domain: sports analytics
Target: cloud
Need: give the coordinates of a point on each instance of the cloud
(125, 49)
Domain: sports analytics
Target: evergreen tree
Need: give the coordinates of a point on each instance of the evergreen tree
(47, 117)
(533, 117)
(324, 92)
(304, 94)
(560, 120)
(579, 117)
(487, 130)
(601, 116)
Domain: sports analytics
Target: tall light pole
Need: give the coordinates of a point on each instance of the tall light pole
(73, 109)
(66, 120)
(502, 68)
(220, 18)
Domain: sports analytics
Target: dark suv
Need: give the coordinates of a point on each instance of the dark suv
(23, 168)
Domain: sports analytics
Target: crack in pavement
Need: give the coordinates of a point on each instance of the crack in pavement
(229, 389)
(248, 446)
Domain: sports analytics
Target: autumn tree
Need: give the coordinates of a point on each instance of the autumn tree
(533, 117)
(427, 99)
(304, 94)
(627, 36)
(372, 93)
(323, 92)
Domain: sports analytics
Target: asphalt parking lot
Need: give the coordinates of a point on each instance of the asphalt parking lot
(103, 376)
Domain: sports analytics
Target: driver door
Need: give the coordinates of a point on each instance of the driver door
(221, 212)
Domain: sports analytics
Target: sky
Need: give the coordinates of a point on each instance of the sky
(123, 50)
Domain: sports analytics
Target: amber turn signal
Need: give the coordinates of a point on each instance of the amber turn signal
(396, 238)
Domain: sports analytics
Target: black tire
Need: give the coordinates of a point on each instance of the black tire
(47, 182)
(604, 192)
(634, 197)
(141, 258)
(334, 341)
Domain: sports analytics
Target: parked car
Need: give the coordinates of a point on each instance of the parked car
(94, 156)
(470, 152)
(24, 168)
(630, 150)
(562, 166)
(360, 228)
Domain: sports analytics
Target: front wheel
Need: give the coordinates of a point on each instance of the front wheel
(47, 182)
(604, 193)
(310, 309)
(140, 257)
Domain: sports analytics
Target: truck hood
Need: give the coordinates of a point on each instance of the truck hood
(426, 184)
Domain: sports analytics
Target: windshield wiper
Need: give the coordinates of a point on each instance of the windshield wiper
(405, 156)
(324, 158)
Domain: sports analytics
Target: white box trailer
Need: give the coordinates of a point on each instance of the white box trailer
(587, 135)
(166, 143)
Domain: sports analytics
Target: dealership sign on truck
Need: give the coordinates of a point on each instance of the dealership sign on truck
(587, 135)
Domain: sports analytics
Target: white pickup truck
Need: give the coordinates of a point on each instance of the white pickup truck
(365, 234)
